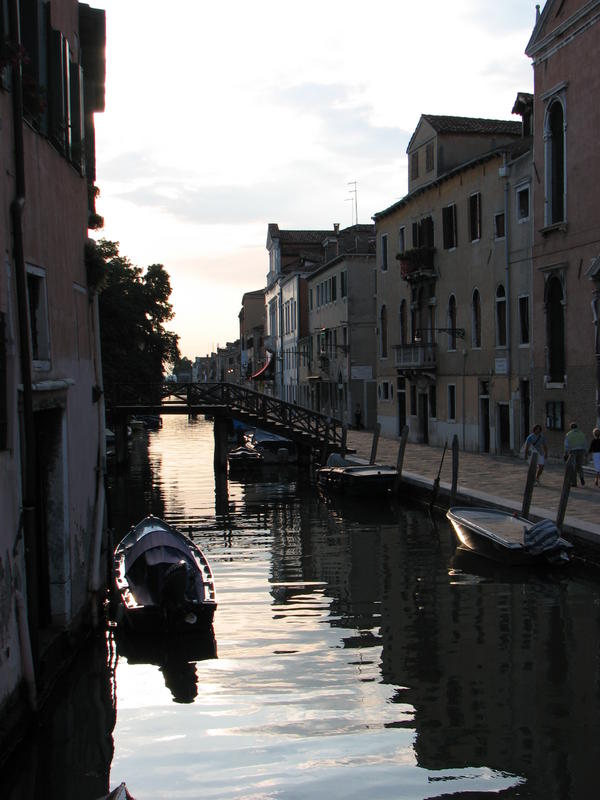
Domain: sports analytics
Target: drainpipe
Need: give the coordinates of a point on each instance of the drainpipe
(95, 571)
(29, 490)
(506, 171)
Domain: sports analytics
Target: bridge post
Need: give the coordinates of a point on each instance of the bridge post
(221, 431)
(120, 425)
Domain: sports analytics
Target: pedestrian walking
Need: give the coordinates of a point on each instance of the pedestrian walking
(537, 441)
(358, 417)
(594, 451)
(576, 445)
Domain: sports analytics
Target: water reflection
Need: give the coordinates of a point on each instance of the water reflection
(175, 656)
(68, 753)
(359, 653)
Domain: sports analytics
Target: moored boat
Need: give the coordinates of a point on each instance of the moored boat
(368, 479)
(273, 448)
(508, 538)
(162, 580)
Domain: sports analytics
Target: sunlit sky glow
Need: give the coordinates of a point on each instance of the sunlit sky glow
(223, 117)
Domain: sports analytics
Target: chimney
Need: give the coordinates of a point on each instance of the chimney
(537, 14)
(336, 227)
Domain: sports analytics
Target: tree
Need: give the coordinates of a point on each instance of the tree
(134, 307)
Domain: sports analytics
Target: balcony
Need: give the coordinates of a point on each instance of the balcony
(416, 262)
(418, 355)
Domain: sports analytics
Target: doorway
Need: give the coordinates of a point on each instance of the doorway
(484, 424)
(504, 428)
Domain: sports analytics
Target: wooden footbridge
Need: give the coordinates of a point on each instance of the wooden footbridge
(316, 434)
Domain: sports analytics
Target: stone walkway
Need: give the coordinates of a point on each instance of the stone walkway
(496, 480)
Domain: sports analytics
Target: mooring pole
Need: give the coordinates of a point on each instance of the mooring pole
(401, 449)
(566, 488)
(375, 443)
(454, 468)
(527, 495)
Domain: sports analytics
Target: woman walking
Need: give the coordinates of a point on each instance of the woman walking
(537, 441)
(594, 451)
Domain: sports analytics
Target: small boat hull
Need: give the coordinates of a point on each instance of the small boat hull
(162, 581)
(508, 538)
(366, 480)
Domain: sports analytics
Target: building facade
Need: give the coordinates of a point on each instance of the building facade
(52, 415)
(453, 286)
(566, 245)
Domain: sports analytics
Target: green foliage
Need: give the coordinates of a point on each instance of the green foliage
(134, 307)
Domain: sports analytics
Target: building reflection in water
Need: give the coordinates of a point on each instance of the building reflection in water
(68, 755)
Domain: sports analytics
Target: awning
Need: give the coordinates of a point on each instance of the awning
(265, 373)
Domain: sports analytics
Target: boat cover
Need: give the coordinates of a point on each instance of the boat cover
(543, 537)
(156, 539)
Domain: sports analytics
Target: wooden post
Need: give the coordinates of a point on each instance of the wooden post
(344, 439)
(120, 431)
(566, 488)
(454, 468)
(529, 484)
(401, 449)
(376, 433)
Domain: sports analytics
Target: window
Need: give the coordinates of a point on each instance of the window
(500, 317)
(384, 252)
(452, 322)
(402, 240)
(524, 319)
(333, 288)
(429, 157)
(476, 321)
(475, 216)
(38, 317)
(451, 402)
(449, 226)
(414, 165)
(385, 390)
(422, 232)
(403, 323)
(555, 330)
(383, 333)
(523, 204)
(499, 225)
(343, 284)
(413, 399)
(554, 152)
(555, 416)
(310, 299)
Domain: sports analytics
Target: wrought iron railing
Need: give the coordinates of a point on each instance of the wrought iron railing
(233, 400)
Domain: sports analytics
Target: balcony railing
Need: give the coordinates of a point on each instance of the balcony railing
(416, 355)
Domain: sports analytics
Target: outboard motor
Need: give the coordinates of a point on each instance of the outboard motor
(175, 582)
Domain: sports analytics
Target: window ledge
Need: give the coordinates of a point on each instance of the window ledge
(556, 226)
(548, 384)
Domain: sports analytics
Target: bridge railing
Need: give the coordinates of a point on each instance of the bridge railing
(237, 401)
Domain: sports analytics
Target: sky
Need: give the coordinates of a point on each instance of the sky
(224, 117)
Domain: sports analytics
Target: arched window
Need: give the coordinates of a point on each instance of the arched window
(554, 146)
(476, 321)
(500, 317)
(403, 323)
(452, 323)
(383, 333)
(555, 330)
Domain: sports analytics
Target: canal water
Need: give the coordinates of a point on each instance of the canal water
(356, 654)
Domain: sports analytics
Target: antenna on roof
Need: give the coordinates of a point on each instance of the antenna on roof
(355, 193)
